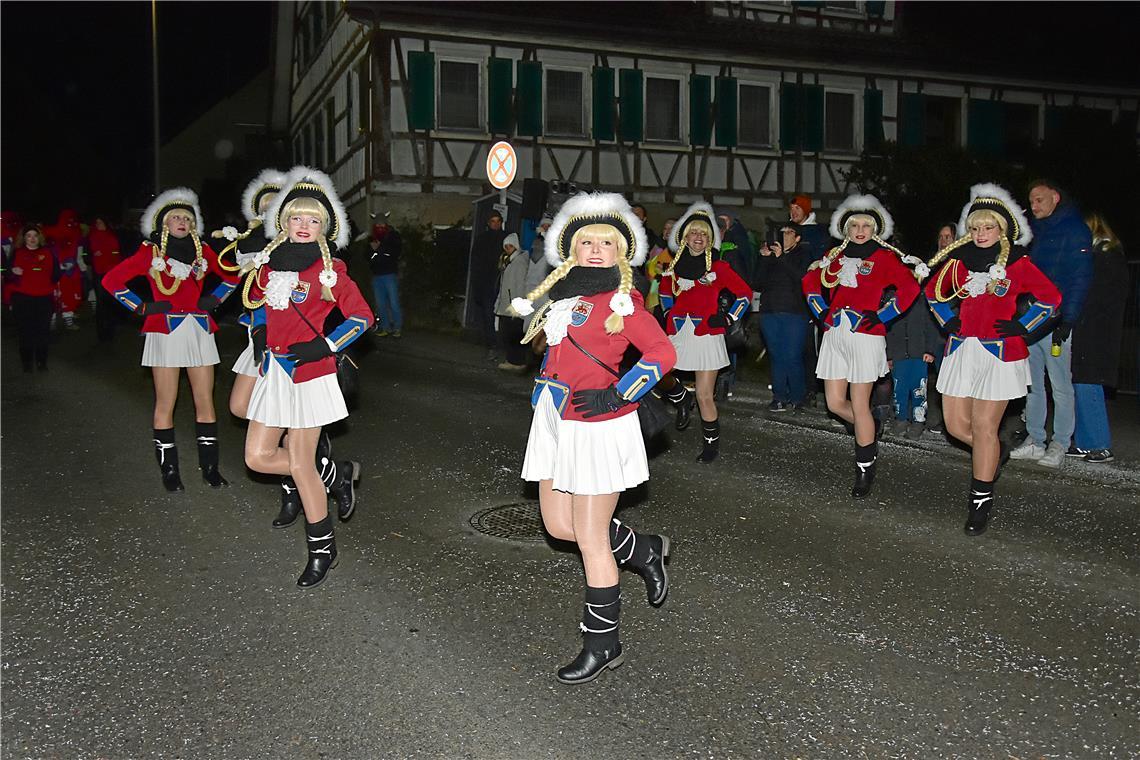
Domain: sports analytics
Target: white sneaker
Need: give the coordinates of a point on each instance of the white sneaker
(1029, 450)
(1054, 455)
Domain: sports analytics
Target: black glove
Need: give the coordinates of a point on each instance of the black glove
(871, 318)
(260, 342)
(597, 401)
(1061, 332)
(208, 302)
(1009, 328)
(155, 307)
(309, 351)
(718, 320)
(953, 325)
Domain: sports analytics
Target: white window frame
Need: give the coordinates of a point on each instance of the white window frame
(587, 114)
(682, 108)
(773, 88)
(480, 100)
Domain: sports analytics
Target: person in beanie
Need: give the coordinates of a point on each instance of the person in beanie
(177, 323)
(513, 267)
(585, 445)
(847, 290)
(697, 316)
(983, 274)
(812, 232)
(294, 286)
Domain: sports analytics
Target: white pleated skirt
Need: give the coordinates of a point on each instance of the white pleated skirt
(585, 458)
(277, 401)
(850, 356)
(973, 372)
(189, 345)
(245, 365)
(698, 352)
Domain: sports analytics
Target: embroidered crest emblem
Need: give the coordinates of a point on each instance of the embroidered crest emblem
(580, 313)
(300, 292)
(1001, 287)
(866, 266)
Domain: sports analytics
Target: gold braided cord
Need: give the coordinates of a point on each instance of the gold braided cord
(823, 276)
(221, 262)
(537, 323)
(939, 257)
(245, 299)
(157, 276)
(959, 288)
(898, 253)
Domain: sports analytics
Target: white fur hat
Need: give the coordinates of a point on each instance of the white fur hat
(698, 211)
(302, 181)
(596, 208)
(168, 200)
(990, 197)
(267, 181)
(867, 205)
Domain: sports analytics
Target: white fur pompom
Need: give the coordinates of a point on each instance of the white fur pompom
(621, 303)
(997, 272)
(158, 263)
(328, 277)
(522, 307)
(230, 233)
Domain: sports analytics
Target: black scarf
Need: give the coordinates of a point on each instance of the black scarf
(860, 250)
(254, 242)
(179, 249)
(981, 259)
(690, 266)
(586, 281)
(294, 257)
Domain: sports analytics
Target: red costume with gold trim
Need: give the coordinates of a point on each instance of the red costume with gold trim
(702, 300)
(877, 272)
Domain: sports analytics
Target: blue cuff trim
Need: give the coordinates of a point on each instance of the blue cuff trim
(739, 307)
(890, 311)
(1037, 314)
(818, 304)
(640, 378)
(128, 299)
(942, 312)
(348, 331)
(222, 292)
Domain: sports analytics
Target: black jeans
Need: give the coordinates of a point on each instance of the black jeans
(510, 333)
(33, 325)
(106, 314)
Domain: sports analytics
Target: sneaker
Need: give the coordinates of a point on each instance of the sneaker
(508, 367)
(397, 334)
(914, 431)
(1100, 456)
(382, 333)
(778, 406)
(1076, 453)
(1029, 450)
(1054, 456)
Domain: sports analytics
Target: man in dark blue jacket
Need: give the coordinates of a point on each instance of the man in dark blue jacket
(1062, 249)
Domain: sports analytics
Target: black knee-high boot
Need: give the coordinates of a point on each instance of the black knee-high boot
(865, 458)
(208, 454)
(322, 552)
(290, 503)
(683, 400)
(645, 554)
(711, 443)
(981, 502)
(600, 646)
(166, 452)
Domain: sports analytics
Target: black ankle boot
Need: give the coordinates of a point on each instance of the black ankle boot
(208, 454)
(166, 452)
(865, 458)
(600, 647)
(322, 553)
(290, 504)
(645, 555)
(711, 445)
(684, 401)
(340, 479)
(981, 502)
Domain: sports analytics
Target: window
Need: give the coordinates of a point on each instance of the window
(839, 121)
(362, 104)
(1020, 129)
(755, 115)
(458, 95)
(308, 143)
(662, 109)
(330, 131)
(318, 139)
(943, 121)
(565, 105)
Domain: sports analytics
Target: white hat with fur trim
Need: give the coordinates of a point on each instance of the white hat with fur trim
(699, 211)
(303, 181)
(168, 200)
(596, 208)
(862, 205)
(267, 181)
(990, 197)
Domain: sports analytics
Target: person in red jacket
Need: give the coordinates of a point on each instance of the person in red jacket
(66, 236)
(295, 286)
(34, 271)
(104, 255)
(846, 291)
(177, 324)
(985, 362)
(585, 445)
(702, 298)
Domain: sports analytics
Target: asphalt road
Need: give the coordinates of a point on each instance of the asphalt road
(800, 624)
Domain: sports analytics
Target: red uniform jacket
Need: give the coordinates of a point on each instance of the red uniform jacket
(284, 327)
(978, 313)
(184, 299)
(565, 369)
(104, 250)
(700, 301)
(38, 278)
(879, 271)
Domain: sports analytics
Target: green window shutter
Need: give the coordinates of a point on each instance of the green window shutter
(1058, 123)
(603, 103)
(700, 109)
(812, 119)
(726, 108)
(791, 135)
(632, 102)
(876, 8)
(985, 127)
(529, 98)
(873, 120)
(913, 122)
(421, 83)
(499, 83)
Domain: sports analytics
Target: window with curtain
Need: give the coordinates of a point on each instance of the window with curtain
(839, 122)
(565, 104)
(755, 114)
(662, 109)
(458, 95)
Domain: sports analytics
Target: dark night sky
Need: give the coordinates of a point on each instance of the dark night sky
(76, 127)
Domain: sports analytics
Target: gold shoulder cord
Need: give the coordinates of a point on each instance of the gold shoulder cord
(221, 261)
(251, 305)
(959, 289)
(537, 323)
(154, 273)
(823, 276)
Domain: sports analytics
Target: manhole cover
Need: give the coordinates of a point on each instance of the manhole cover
(521, 521)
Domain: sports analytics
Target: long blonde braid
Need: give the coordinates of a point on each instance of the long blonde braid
(615, 322)
(326, 257)
(538, 321)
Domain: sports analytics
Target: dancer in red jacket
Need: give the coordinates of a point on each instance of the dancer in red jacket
(291, 293)
(702, 298)
(104, 254)
(65, 236)
(177, 323)
(847, 291)
(34, 272)
(585, 444)
(986, 364)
